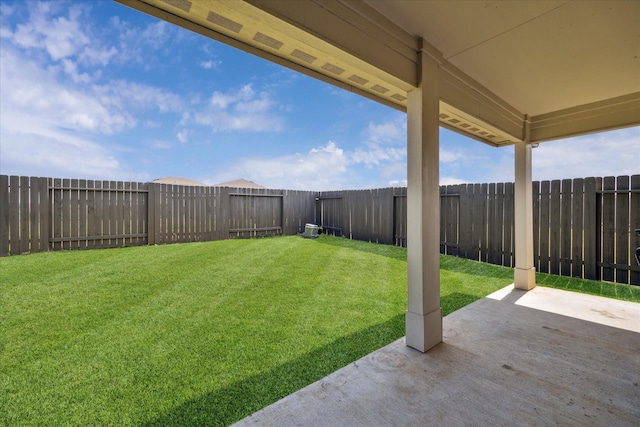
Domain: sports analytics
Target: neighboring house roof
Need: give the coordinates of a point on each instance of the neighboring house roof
(177, 181)
(240, 183)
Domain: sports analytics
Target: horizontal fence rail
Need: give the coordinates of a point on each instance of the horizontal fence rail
(582, 227)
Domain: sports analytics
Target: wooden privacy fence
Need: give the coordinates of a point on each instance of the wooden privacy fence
(190, 214)
(41, 214)
(582, 227)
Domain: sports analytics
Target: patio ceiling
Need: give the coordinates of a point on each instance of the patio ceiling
(552, 68)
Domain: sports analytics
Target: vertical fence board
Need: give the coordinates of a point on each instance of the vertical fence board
(443, 220)
(174, 214)
(192, 215)
(464, 222)
(213, 205)
(120, 214)
(14, 215)
(178, 215)
(109, 206)
(125, 213)
(484, 222)
(554, 228)
(509, 213)
(591, 228)
(82, 213)
(565, 228)
(34, 220)
(132, 190)
(24, 214)
(167, 215)
(45, 214)
(171, 211)
(608, 218)
(545, 194)
(91, 214)
(634, 220)
(200, 228)
(74, 202)
(188, 200)
(4, 215)
(623, 229)
(400, 216)
(476, 222)
(66, 212)
(102, 212)
(577, 227)
(225, 211)
(492, 224)
(536, 223)
(153, 220)
(498, 225)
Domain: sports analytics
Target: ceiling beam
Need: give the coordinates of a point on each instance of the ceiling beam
(610, 114)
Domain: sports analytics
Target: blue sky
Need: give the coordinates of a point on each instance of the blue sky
(96, 90)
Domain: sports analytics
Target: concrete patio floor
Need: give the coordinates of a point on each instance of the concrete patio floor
(543, 357)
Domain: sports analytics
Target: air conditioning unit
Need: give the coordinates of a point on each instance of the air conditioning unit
(310, 231)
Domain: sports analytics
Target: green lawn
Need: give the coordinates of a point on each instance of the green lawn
(201, 333)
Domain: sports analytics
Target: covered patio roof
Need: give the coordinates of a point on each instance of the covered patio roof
(560, 68)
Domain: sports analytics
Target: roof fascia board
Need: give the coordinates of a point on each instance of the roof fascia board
(356, 29)
(463, 95)
(609, 114)
(207, 32)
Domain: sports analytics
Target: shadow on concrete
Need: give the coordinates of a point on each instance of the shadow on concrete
(228, 405)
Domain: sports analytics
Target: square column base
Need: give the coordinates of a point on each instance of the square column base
(424, 331)
(524, 278)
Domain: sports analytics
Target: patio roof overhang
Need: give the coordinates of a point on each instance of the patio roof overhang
(559, 68)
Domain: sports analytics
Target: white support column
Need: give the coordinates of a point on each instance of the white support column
(524, 276)
(424, 315)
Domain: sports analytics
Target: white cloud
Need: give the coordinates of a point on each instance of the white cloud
(320, 168)
(374, 155)
(183, 135)
(54, 109)
(451, 156)
(33, 94)
(612, 153)
(386, 142)
(239, 110)
(161, 145)
(5, 10)
(390, 132)
(61, 37)
(42, 151)
(208, 65)
(449, 180)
